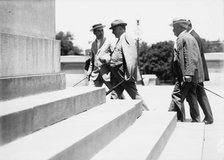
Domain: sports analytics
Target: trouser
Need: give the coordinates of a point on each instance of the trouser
(176, 102)
(203, 101)
(180, 92)
(99, 83)
(130, 86)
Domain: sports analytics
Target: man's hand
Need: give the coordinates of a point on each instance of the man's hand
(88, 74)
(126, 78)
(187, 78)
(105, 59)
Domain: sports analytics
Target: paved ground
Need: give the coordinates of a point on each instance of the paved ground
(159, 97)
(214, 134)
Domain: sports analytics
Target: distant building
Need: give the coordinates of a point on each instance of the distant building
(214, 46)
(87, 52)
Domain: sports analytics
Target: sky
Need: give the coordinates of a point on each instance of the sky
(78, 17)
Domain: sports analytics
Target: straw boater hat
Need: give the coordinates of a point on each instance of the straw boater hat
(181, 21)
(97, 26)
(117, 22)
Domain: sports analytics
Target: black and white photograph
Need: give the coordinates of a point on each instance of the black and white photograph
(111, 79)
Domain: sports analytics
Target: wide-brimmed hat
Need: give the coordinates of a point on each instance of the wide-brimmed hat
(181, 21)
(97, 26)
(117, 22)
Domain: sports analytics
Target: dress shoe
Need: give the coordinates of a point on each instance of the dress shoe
(207, 122)
(195, 120)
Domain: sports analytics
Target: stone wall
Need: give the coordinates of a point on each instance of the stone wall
(33, 18)
(29, 53)
(23, 55)
(73, 67)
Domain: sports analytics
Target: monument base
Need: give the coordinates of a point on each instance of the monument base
(19, 86)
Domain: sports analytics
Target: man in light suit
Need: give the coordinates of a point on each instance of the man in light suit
(99, 70)
(123, 62)
(201, 94)
(189, 66)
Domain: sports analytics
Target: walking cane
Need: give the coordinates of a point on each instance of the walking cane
(108, 92)
(210, 91)
(79, 82)
(146, 108)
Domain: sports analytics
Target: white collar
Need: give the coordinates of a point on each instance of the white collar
(183, 32)
(98, 40)
(190, 30)
(122, 35)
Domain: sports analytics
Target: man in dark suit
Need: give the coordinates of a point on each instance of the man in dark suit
(200, 91)
(189, 66)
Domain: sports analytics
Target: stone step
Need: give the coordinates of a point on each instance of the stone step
(20, 86)
(145, 139)
(186, 142)
(22, 116)
(78, 137)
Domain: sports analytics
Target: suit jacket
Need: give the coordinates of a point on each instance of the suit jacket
(129, 50)
(96, 66)
(189, 57)
(198, 39)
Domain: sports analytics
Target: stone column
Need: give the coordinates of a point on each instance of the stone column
(29, 53)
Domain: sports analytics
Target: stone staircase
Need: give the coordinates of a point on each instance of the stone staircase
(78, 123)
(186, 143)
(144, 140)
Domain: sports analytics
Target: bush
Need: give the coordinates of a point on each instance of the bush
(157, 60)
(67, 47)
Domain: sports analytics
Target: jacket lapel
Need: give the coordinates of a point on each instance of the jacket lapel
(94, 47)
(102, 42)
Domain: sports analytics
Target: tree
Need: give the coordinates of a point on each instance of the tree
(157, 60)
(212, 46)
(142, 56)
(67, 47)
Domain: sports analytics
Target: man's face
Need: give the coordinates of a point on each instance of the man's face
(176, 30)
(189, 27)
(115, 31)
(99, 33)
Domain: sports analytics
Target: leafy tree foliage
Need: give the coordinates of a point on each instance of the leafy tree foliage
(157, 60)
(67, 47)
(212, 46)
